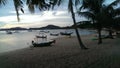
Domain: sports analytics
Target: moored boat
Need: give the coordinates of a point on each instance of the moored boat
(54, 34)
(8, 32)
(16, 31)
(48, 43)
(41, 36)
(66, 33)
(44, 31)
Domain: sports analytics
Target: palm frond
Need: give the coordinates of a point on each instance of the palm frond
(59, 2)
(41, 4)
(31, 8)
(77, 2)
(18, 6)
(114, 3)
(3, 2)
(54, 3)
(86, 14)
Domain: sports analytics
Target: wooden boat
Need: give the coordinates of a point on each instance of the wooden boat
(29, 30)
(66, 33)
(44, 31)
(43, 44)
(16, 31)
(8, 32)
(43, 36)
(53, 34)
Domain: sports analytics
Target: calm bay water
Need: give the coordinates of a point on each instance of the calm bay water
(10, 42)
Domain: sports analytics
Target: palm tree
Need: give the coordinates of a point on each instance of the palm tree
(71, 9)
(110, 14)
(52, 3)
(99, 14)
(95, 8)
(18, 6)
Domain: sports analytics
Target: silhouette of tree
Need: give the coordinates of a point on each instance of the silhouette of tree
(101, 15)
(94, 7)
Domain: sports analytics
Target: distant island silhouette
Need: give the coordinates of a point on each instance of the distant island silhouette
(82, 25)
(45, 27)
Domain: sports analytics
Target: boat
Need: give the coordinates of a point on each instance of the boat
(16, 31)
(8, 32)
(43, 43)
(66, 33)
(29, 30)
(41, 36)
(54, 34)
(44, 31)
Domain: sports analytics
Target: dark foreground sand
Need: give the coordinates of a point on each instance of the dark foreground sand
(66, 53)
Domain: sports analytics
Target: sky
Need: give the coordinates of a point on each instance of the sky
(59, 17)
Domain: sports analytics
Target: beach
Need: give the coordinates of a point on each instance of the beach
(66, 53)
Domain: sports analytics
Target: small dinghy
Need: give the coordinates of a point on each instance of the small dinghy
(48, 43)
(44, 31)
(66, 33)
(54, 34)
(8, 32)
(16, 31)
(29, 30)
(39, 36)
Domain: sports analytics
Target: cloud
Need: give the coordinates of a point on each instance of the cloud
(58, 16)
(37, 20)
(2, 24)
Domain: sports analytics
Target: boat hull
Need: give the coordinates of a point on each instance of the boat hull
(68, 34)
(54, 34)
(41, 36)
(43, 44)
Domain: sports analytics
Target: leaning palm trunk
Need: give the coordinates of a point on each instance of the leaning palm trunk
(99, 36)
(78, 36)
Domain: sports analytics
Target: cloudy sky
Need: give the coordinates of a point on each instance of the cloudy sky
(59, 16)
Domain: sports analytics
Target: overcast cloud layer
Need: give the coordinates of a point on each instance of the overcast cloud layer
(59, 16)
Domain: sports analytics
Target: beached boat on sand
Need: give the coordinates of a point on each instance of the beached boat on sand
(48, 43)
(66, 33)
(16, 31)
(54, 34)
(41, 36)
(8, 32)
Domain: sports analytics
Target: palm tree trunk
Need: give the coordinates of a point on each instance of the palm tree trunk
(76, 30)
(99, 36)
(110, 33)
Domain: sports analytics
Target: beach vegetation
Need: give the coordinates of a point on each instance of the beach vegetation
(101, 15)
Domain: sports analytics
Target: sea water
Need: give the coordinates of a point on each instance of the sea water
(10, 42)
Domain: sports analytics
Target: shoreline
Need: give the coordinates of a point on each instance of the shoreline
(64, 53)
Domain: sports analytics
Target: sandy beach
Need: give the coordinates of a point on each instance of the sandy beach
(66, 53)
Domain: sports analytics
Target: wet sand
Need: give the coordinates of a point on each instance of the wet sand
(66, 53)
